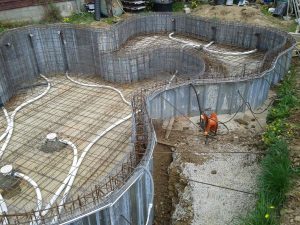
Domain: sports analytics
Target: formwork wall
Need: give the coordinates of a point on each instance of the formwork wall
(222, 96)
(26, 52)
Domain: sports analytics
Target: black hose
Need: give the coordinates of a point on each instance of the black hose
(199, 106)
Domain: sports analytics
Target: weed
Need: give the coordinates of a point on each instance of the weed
(178, 6)
(265, 10)
(264, 214)
(9, 25)
(110, 20)
(80, 18)
(52, 14)
(287, 99)
(194, 4)
(277, 171)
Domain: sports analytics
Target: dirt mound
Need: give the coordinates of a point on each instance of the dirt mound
(245, 14)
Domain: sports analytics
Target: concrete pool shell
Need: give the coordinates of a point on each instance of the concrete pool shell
(119, 190)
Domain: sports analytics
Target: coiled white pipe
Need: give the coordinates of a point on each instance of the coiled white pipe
(65, 182)
(100, 86)
(12, 117)
(205, 47)
(3, 209)
(8, 121)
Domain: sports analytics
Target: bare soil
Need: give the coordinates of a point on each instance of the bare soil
(246, 14)
(179, 199)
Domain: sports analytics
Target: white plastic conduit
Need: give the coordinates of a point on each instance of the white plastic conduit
(8, 121)
(65, 182)
(85, 151)
(229, 53)
(170, 81)
(36, 188)
(187, 43)
(205, 47)
(13, 115)
(3, 209)
(72, 176)
(100, 86)
(150, 206)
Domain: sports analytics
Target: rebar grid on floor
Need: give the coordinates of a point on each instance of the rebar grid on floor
(77, 114)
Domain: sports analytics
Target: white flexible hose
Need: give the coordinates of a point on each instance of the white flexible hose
(65, 182)
(205, 47)
(36, 188)
(170, 81)
(85, 151)
(3, 209)
(100, 86)
(8, 121)
(12, 117)
(187, 43)
(120, 195)
(229, 53)
(68, 182)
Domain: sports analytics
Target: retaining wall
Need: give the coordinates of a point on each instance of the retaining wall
(221, 96)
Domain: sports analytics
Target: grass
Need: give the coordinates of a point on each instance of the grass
(9, 25)
(265, 10)
(293, 27)
(287, 99)
(177, 6)
(80, 18)
(277, 174)
(75, 18)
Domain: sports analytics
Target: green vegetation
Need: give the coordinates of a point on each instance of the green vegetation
(293, 27)
(177, 6)
(9, 25)
(265, 10)
(80, 18)
(194, 4)
(52, 14)
(287, 99)
(110, 20)
(277, 171)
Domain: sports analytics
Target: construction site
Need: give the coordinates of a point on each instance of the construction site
(83, 109)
